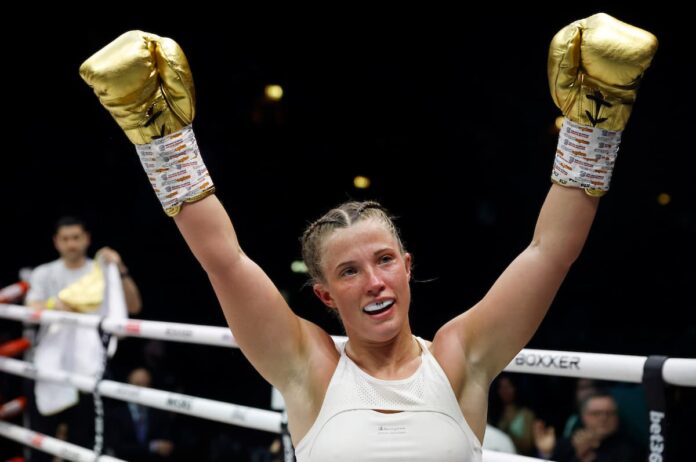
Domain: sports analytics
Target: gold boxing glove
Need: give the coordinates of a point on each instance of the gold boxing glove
(594, 67)
(145, 83)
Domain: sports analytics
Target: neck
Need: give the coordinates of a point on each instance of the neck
(75, 263)
(394, 359)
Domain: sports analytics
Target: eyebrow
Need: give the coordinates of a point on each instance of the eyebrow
(352, 262)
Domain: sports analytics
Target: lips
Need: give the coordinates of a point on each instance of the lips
(378, 307)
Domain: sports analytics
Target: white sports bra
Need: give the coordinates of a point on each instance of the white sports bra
(430, 426)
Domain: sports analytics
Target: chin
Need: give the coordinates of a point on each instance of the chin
(388, 330)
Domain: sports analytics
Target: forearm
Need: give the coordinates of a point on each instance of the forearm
(209, 233)
(132, 294)
(51, 303)
(564, 224)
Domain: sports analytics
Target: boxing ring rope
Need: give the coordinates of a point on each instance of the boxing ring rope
(258, 419)
(50, 445)
(676, 371)
(600, 366)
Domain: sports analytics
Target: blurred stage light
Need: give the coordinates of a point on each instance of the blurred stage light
(298, 266)
(274, 92)
(361, 182)
(664, 199)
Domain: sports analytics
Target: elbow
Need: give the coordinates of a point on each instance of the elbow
(222, 263)
(135, 307)
(562, 254)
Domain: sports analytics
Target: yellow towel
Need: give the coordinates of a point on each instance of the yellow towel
(87, 293)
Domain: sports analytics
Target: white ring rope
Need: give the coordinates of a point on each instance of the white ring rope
(680, 371)
(573, 364)
(258, 419)
(51, 445)
(677, 371)
(172, 331)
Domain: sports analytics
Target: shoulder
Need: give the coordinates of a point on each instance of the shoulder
(46, 268)
(426, 343)
(449, 350)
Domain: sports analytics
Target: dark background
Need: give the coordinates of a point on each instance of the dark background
(447, 112)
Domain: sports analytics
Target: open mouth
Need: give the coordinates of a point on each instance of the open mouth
(378, 307)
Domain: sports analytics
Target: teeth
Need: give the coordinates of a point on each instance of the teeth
(378, 306)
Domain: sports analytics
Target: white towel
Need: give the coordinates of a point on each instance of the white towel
(76, 349)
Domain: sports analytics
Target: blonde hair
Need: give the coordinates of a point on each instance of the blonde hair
(343, 216)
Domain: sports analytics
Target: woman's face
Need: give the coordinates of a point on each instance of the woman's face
(366, 280)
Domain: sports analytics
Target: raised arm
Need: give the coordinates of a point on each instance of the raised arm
(144, 81)
(502, 323)
(595, 65)
(271, 336)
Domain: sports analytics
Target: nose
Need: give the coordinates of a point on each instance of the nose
(375, 283)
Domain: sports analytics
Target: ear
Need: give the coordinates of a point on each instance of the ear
(324, 295)
(407, 263)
